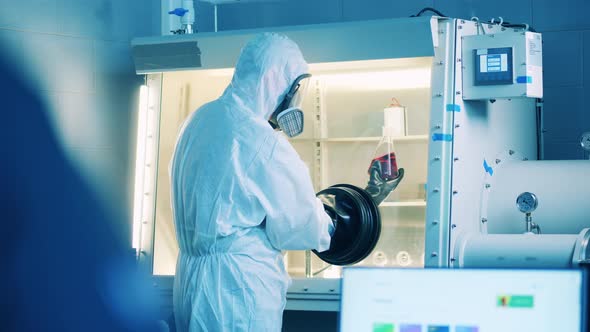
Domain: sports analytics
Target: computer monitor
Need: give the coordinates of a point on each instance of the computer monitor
(462, 300)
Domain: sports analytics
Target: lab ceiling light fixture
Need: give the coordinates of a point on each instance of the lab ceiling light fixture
(398, 79)
(140, 167)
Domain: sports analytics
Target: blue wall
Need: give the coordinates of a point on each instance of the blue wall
(77, 53)
(565, 26)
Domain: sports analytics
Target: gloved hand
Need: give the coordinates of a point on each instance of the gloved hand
(335, 211)
(379, 188)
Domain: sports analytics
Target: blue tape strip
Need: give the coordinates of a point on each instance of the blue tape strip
(524, 79)
(442, 137)
(453, 108)
(488, 168)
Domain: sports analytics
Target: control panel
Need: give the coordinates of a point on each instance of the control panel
(502, 65)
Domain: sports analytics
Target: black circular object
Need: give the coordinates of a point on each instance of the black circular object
(353, 239)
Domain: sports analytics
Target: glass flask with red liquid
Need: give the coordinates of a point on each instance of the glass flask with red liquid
(383, 168)
(384, 160)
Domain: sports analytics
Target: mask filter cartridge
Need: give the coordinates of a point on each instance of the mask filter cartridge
(291, 121)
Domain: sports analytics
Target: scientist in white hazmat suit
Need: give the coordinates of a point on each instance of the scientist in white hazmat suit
(241, 194)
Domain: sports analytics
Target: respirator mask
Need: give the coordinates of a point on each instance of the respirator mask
(288, 116)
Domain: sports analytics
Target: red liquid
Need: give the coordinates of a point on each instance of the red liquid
(386, 166)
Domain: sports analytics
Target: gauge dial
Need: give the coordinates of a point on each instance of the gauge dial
(585, 141)
(527, 202)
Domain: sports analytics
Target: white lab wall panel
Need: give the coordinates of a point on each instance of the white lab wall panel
(552, 15)
(564, 113)
(53, 104)
(45, 67)
(66, 64)
(562, 58)
(102, 165)
(113, 110)
(39, 15)
(108, 175)
(95, 131)
(269, 14)
(374, 9)
(76, 58)
(514, 11)
(112, 63)
(31, 15)
(84, 124)
(11, 43)
(100, 19)
(10, 14)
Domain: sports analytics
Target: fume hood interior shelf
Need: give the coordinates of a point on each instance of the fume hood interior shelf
(408, 203)
(409, 138)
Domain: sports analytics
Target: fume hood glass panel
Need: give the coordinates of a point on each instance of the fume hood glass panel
(306, 150)
(343, 124)
(348, 103)
(182, 93)
(401, 244)
(354, 98)
(349, 163)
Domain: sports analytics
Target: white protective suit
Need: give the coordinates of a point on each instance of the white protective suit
(240, 195)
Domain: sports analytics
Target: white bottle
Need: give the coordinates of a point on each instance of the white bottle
(394, 119)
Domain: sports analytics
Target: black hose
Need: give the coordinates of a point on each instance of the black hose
(429, 9)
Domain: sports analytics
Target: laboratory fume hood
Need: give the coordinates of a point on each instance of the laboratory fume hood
(470, 109)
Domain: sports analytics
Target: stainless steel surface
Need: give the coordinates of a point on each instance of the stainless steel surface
(348, 41)
(514, 250)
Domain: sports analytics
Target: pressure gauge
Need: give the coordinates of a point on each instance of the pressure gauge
(527, 202)
(585, 141)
